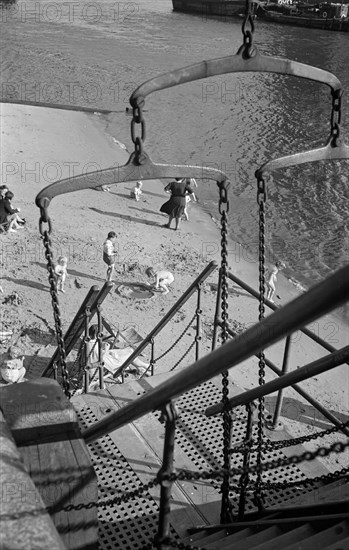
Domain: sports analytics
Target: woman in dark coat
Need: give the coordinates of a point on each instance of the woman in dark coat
(176, 205)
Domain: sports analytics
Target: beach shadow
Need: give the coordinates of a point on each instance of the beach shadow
(124, 217)
(30, 284)
(302, 412)
(76, 273)
(148, 193)
(146, 210)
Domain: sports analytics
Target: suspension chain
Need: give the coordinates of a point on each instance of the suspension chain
(226, 416)
(248, 31)
(138, 118)
(56, 311)
(336, 115)
(261, 199)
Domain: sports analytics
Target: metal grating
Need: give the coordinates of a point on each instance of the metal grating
(132, 525)
(201, 439)
(129, 525)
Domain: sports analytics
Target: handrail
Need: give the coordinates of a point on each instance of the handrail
(182, 300)
(318, 301)
(307, 371)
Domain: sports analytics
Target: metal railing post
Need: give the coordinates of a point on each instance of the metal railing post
(170, 414)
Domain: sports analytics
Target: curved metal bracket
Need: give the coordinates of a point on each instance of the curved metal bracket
(240, 62)
(328, 152)
(131, 171)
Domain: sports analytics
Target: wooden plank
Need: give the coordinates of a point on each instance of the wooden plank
(45, 427)
(24, 521)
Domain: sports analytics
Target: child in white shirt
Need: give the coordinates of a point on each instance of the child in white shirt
(137, 192)
(61, 272)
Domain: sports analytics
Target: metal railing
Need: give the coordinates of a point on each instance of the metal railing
(318, 301)
(285, 360)
(149, 339)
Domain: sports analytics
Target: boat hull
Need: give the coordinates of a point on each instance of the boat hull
(309, 22)
(209, 7)
(233, 8)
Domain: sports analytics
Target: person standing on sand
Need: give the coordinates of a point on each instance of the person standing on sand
(109, 253)
(175, 207)
(61, 272)
(272, 280)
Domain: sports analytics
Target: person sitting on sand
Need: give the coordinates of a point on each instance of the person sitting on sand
(109, 253)
(175, 206)
(12, 370)
(8, 214)
(111, 358)
(272, 280)
(162, 279)
(61, 272)
(137, 192)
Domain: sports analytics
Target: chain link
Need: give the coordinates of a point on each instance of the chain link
(184, 475)
(56, 312)
(183, 356)
(178, 339)
(277, 445)
(336, 116)
(138, 118)
(261, 198)
(226, 416)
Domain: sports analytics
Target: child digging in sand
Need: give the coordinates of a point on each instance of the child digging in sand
(272, 280)
(162, 279)
(61, 272)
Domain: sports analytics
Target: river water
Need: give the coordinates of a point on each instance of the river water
(94, 54)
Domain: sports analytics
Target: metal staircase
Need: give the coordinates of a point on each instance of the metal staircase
(130, 458)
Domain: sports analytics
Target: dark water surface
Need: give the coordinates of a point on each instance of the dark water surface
(95, 53)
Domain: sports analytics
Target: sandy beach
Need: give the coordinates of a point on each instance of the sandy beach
(40, 146)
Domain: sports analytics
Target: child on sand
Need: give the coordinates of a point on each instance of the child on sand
(109, 253)
(137, 192)
(187, 201)
(272, 280)
(12, 370)
(162, 279)
(61, 272)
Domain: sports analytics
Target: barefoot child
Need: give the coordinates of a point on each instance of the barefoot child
(109, 254)
(272, 280)
(137, 192)
(61, 272)
(162, 279)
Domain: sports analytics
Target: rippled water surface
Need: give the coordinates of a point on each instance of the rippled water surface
(95, 53)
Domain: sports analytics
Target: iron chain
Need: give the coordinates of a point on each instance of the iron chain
(187, 476)
(276, 445)
(138, 118)
(56, 312)
(183, 356)
(261, 198)
(178, 339)
(336, 115)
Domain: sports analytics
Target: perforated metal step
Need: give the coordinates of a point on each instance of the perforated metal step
(131, 525)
